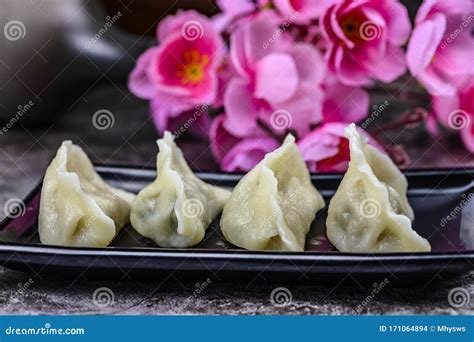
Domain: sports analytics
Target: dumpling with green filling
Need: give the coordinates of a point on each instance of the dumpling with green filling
(177, 208)
(77, 207)
(370, 213)
(273, 205)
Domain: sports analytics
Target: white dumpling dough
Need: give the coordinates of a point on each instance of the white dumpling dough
(273, 205)
(77, 207)
(177, 208)
(370, 212)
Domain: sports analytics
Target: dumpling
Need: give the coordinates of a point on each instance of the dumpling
(77, 207)
(370, 212)
(176, 209)
(273, 205)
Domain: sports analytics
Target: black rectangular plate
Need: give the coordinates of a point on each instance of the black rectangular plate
(434, 194)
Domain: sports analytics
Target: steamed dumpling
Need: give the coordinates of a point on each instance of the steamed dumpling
(273, 205)
(176, 209)
(370, 212)
(77, 207)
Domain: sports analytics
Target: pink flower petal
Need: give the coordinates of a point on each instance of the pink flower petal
(138, 82)
(240, 111)
(309, 63)
(277, 78)
(423, 44)
(248, 153)
(391, 66)
(221, 139)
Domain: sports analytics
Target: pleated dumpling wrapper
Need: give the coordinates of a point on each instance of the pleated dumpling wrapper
(273, 205)
(370, 212)
(77, 207)
(177, 208)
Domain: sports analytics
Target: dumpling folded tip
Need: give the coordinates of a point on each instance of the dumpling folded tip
(290, 138)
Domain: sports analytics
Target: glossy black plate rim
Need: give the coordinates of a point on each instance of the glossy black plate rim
(234, 253)
(261, 255)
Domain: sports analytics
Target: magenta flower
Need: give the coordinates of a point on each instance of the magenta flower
(343, 103)
(238, 154)
(301, 11)
(232, 10)
(326, 149)
(277, 80)
(442, 46)
(457, 113)
(364, 40)
(181, 72)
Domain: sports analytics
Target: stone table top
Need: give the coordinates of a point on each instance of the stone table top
(26, 151)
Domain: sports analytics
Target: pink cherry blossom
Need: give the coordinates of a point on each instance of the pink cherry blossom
(364, 38)
(238, 154)
(442, 46)
(326, 149)
(231, 11)
(275, 76)
(343, 103)
(181, 72)
(457, 113)
(301, 11)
